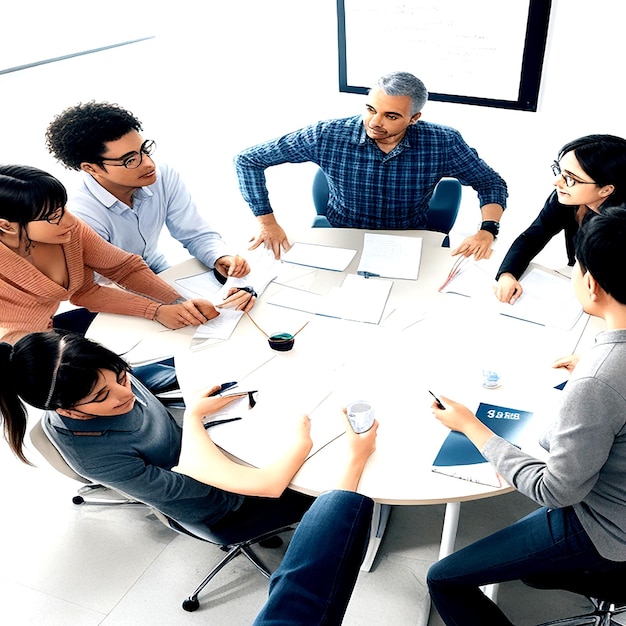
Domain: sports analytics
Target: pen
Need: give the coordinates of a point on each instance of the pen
(458, 266)
(437, 400)
(223, 387)
(218, 422)
(368, 274)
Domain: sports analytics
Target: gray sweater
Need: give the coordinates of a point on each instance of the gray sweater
(586, 467)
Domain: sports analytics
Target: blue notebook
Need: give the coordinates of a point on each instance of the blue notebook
(457, 451)
(508, 423)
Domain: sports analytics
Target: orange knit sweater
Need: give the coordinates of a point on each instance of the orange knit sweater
(29, 299)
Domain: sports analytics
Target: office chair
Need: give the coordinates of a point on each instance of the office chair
(443, 207)
(233, 540)
(606, 592)
(90, 492)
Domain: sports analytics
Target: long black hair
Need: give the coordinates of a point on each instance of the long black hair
(49, 370)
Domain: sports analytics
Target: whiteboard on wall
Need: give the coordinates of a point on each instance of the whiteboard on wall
(484, 52)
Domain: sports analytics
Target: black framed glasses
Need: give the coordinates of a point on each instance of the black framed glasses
(570, 181)
(53, 218)
(133, 160)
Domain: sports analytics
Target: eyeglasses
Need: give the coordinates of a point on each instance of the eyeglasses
(53, 218)
(569, 180)
(134, 159)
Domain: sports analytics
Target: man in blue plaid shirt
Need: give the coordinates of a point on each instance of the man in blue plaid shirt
(382, 168)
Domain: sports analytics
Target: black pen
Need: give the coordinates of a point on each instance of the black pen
(223, 387)
(437, 400)
(208, 425)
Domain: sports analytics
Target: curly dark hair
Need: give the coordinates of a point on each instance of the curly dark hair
(78, 134)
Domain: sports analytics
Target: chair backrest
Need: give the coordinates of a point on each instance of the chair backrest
(443, 207)
(50, 453)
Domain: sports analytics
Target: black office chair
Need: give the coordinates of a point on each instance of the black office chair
(443, 207)
(231, 540)
(234, 541)
(606, 592)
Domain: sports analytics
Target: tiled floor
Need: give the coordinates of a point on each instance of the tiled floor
(67, 565)
(63, 565)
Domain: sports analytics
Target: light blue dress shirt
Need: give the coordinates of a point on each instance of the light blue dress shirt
(136, 229)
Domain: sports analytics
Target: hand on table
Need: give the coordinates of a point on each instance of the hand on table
(235, 266)
(508, 288)
(271, 235)
(479, 245)
(567, 362)
(238, 299)
(189, 313)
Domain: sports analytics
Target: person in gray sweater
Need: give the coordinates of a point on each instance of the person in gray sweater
(579, 533)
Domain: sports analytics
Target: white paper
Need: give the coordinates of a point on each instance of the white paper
(474, 278)
(358, 299)
(323, 257)
(205, 285)
(220, 327)
(547, 299)
(391, 256)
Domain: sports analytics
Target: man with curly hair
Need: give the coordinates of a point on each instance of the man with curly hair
(125, 196)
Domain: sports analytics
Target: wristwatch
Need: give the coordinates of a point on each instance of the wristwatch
(491, 226)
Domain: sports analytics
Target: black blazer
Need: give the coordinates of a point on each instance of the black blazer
(553, 218)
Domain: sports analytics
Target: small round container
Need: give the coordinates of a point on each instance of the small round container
(360, 415)
(491, 379)
(282, 342)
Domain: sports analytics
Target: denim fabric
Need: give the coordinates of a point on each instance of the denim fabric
(546, 542)
(315, 580)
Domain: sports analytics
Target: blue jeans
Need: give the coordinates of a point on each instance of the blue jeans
(315, 580)
(157, 377)
(547, 545)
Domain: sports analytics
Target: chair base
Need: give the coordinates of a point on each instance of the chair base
(602, 615)
(192, 603)
(100, 495)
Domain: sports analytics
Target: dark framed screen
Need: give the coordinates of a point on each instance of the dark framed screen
(481, 52)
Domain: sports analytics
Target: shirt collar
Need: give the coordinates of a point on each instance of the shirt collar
(108, 199)
(359, 136)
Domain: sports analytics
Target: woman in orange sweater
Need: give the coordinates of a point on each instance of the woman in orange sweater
(47, 255)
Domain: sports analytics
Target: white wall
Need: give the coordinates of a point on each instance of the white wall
(247, 70)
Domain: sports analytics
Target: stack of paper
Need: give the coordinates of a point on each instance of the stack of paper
(323, 257)
(547, 299)
(358, 299)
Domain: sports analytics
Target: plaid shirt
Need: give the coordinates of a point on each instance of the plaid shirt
(368, 188)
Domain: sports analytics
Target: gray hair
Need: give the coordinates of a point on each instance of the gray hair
(405, 84)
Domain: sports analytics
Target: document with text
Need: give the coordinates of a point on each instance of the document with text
(390, 256)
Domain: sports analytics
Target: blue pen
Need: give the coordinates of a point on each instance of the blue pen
(223, 387)
(368, 274)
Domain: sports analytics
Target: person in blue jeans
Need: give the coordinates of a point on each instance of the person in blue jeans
(316, 577)
(580, 531)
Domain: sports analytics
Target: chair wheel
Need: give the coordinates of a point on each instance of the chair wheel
(78, 500)
(190, 605)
